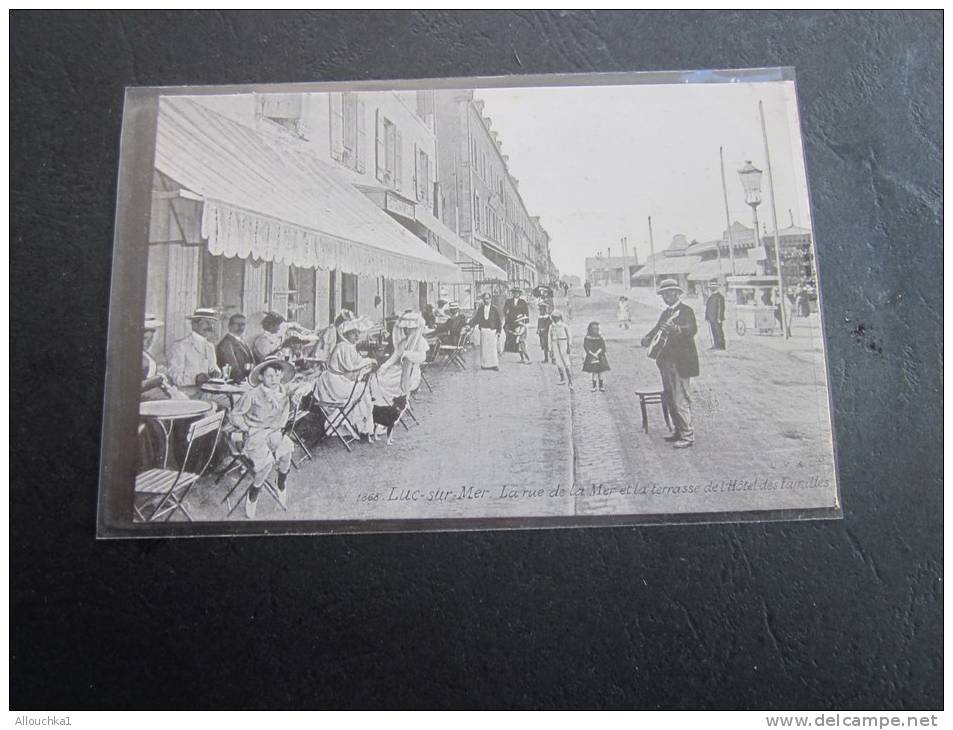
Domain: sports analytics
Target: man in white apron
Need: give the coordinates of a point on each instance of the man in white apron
(490, 324)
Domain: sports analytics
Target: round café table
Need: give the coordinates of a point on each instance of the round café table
(230, 390)
(167, 412)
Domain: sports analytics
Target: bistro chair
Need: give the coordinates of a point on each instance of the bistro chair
(166, 489)
(297, 415)
(236, 446)
(455, 353)
(432, 354)
(337, 415)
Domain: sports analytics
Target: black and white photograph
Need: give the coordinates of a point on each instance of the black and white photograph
(448, 306)
(468, 360)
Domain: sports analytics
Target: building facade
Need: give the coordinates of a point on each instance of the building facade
(357, 173)
(611, 270)
(480, 199)
(694, 264)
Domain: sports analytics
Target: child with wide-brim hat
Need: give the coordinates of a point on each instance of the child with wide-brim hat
(262, 413)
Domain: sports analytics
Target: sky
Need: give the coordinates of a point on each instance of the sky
(595, 162)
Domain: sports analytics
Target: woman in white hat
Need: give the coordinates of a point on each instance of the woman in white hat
(400, 373)
(339, 381)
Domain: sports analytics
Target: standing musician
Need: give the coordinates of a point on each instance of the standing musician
(672, 344)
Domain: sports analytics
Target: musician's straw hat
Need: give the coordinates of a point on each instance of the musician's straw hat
(669, 285)
(152, 322)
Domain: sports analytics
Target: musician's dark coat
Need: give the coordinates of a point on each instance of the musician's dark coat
(680, 347)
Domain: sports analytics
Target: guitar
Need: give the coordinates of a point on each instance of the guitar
(660, 338)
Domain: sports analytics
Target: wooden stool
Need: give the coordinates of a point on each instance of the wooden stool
(649, 396)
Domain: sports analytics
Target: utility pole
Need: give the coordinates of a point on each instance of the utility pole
(774, 219)
(652, 254)
(724, 190)
(626, 280)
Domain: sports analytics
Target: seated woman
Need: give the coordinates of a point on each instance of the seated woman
(339, 383)
(400, 373)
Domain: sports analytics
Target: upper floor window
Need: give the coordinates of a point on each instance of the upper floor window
(348, 131)
(284, 110)
(422, 183)
(389, 145)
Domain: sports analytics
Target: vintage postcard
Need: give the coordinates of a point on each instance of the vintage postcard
(465, 304)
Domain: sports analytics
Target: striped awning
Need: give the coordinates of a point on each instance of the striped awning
(271, 200)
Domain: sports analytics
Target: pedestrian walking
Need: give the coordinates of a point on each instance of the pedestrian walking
(623, 314)
(519, 335)
(513, 307)
(596, 363)
(715, 316)
(671, 343)
(487, 320)
(560, 342)
(588, 287)
(801, 302)
(542, 329)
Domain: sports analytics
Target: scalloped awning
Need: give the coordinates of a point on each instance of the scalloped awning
(258, 204)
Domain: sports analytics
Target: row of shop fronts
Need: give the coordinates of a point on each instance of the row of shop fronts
(247, 217)
(695, 264)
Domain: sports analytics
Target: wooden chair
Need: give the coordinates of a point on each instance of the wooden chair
(297, 415)
(337, 415)
(167, 489)
(650, 396)
(236, 445)
(454, 353)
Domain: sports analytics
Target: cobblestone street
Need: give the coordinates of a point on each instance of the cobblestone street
(514, 443)
(482, 434)
(758, 411)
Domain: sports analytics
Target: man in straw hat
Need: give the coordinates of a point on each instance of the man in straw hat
(449, 331)
(153, 376)
(672, 343)
(261, 414)
(192, 360)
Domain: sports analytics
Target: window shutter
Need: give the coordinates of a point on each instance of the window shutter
(398, 160)
(430, 178)
(380, 156)
(417, 180)
(361, 137)
(337, 126)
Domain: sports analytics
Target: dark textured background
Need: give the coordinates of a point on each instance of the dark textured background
(840, 614)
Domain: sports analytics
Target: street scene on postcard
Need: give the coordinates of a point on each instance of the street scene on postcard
(563, 301)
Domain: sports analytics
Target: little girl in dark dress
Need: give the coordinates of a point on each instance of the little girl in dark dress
(596, 362)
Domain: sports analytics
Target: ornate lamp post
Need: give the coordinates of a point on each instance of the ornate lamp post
(751, 182)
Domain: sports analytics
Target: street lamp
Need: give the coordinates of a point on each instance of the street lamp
(751, 182)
